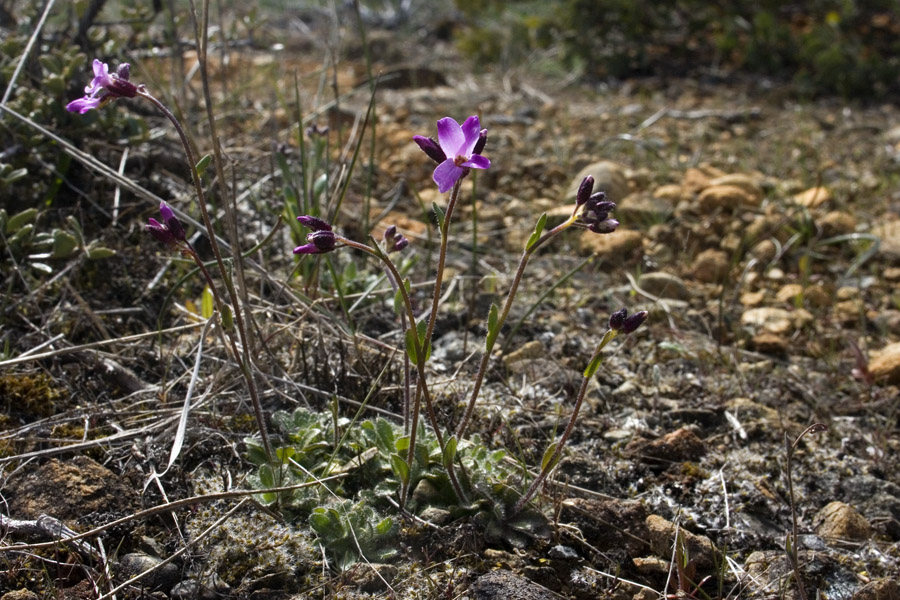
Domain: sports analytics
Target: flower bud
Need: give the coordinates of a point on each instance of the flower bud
(172, 222)
(480, 144)
(430, 147)
(584, 190)
(314, 223)
(634, 321)
(617, 319)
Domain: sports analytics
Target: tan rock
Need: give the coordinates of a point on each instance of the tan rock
(663, 285)
(643, 209)
(751, 299)
(788, 293)
(817, 295)
(711, 266)
(840, 521)
(837, 223)
(532, 349)
(813, 197)
(889, 233)
(694, 181)
(773, 320)
(885, 367)
(619, 245)
(764, 251)
(769, 343)
(608, 177)
(672, 193)
(879, 589)
(725, 197)
(892, 274)
(662, 535)
(747, 183)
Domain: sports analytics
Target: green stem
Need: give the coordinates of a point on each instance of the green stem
(492, 338)
(548, 465)
(211, 234)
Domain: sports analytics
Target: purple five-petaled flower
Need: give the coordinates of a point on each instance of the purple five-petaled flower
(104, 86)
(458, 149)
(169, 232)
(321, 239)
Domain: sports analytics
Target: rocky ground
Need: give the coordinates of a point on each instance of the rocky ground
(761, 232)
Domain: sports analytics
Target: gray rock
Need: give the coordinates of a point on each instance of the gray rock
(161, 579)
(505, 585)
(664, 285)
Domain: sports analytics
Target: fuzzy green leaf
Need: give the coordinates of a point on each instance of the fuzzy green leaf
(439, 213)
(411, 345)
(206, 303)
(203, 163)
(538, 230)
(64, 244)
(493, 321)
(384, 526)
(227, 318)
(267, 476)
(449, 452)
(548, 456)
(400, 468)
(98, 252)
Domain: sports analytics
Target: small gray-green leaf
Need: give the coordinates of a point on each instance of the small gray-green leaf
(64, 244)
(538, 230)
(98, 252)
(15, 175)
(17, 221)
(267, 476)
(411, 345)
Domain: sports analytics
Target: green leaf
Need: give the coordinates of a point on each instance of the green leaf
(401, 444)
(75, 226)
(203, 163)
(14, 175)
(285, 454)
(384, 526)
(64, 244)
(411, 345)
(493, 319)
(98, 252)
(227, 318)
(548, 456)
(21, 233)
(422, 328)
(449, 452)
(538, 230)
(400, 468)
(17, 221)
(439, 213)
(593, 366)
(206, 303)
(267, 476)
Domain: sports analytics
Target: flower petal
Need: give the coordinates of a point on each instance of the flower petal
(307, 249)
(471, 129)
(450, 136)
(476, 161)
(82, 105)
(101, 78)
(446, 174)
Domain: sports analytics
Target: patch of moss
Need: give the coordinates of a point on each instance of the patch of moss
(33, 395)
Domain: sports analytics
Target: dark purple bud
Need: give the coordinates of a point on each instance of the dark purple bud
(400, 244)
(314, 223)
(124, 72)
(617, 319)
(323, 240)
(430, 147)
(121, 88)
(634, 321)
(172, 222)
(604, 226)
(482, 141)
(160, 232)
(390, 233)
(584, 190)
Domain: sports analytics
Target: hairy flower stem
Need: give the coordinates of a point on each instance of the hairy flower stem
(244, 362)
(492, 339)
(395, 285)
(422, 387)
(550, 463)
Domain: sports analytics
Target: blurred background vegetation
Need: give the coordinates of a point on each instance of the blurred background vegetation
(821, 47)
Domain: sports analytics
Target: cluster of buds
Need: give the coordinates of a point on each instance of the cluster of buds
(620, 322)
(596, 208)
(322, 239)
(169, 232)
(104, 87)
(394, 241)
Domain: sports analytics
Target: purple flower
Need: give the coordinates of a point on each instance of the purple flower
(104, 87)
(169, 232)
(321, 240)
(455, 150)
